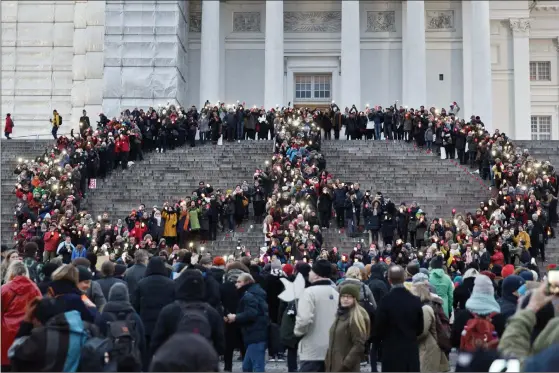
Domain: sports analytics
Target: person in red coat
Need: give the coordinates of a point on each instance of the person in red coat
(138, 231)
(51, 239)
(17, 293)
(498, 258)
(8, 128)
(123, 148)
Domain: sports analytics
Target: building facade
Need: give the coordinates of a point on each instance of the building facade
(497, 59)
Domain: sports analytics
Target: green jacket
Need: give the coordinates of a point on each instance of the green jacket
(194, 222)
(444, 287)
(517, 336)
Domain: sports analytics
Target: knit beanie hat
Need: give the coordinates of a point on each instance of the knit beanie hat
(84, 274)
(482, 301)
(288, 269)
(507, 270)
(527, 275)
(218, 261)
(322, 268)
(419, 278)
(119, 293)
(351, 289)
(359, 265)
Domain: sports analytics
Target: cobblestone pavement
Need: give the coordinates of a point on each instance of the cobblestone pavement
(281, 366)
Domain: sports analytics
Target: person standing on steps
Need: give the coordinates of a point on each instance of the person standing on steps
(56, 121)
(9, 126)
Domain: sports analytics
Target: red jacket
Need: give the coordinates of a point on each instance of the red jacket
(498, 258)
(138, 231)
(125, 144)
(16, 295)
(9, 125)
(51, 241)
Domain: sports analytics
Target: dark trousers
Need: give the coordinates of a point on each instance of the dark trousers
(312, 366)
(462, 156)
(292, 359)
(54, 132)
(324, 219)
(7, 134)
(336, 134)
(192, 137)
(340, 217)
(228, 357)
(328, 135)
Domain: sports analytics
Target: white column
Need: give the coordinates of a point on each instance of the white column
(482, 94)
(351, 56)
(273, 58)
(521, 57)
(209, 53)
(414, 55)
(466, 106)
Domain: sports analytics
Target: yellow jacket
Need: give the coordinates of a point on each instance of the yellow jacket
(170, 224)
(523, 236)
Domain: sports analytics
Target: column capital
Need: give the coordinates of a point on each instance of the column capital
(519, 26)
(556, 43)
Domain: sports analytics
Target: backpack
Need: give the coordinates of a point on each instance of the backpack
(60, 120)
(442, 324)
(118, 351)
(287, 326)
(194, 319)
(368, 305)
(479, 333)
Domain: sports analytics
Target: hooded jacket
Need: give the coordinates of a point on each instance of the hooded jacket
(132, 276)
(107, 282)
(119, 306)
(16, 295)
(252, 314)
(444, 287)
(189, 288)
(153, 292)
(377, 283)
(186, 352)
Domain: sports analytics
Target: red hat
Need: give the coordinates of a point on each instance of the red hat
(218, 261)
(552, 267)
(288, 269)
(489, 274)
(507, 270)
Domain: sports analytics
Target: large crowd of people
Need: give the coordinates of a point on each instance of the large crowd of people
(422, 287)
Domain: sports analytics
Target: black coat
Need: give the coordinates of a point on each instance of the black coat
(212, 295)
(377, 283)
(273, 287)
(398, 323)
(132, 276)
(171, 314)
(106, 284)
(462, 293)
(252, 314)
(154, 291)
(230, 300)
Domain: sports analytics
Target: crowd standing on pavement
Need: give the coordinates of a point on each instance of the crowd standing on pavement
(421, 288)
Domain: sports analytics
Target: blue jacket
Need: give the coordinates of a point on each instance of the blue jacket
(79, 254)
(252, 314)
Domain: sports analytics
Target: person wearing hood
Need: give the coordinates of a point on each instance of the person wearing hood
(252, 317)
(17, 293)
(377, 283)
(108, 278)
(509, 295)
(431, 357)
(136, 273)
(211, 291)
(464, 290)
(442, 284)
(481, 303)
(348, 333)
(189, 289)
(316, 312)
(230, 300)
(155, 291)
(185, 352)
(118, 308)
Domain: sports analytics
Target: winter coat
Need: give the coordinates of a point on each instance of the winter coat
(170, 223)
(273, 287)
(316, 312)
(462, 293)
(69, 298)
(95, 294)
(346, 344)
(132, 276)
(398, 323)
(9, 125)
(377, 283)
(171, 314)
(51, 241)
(431, 357)
(153, 292)
(444, 288)
(517, 337)
(230, 300)
(372, 221)
(106, 283)
(194, 221)
(339, 198)
(156, 231)
(461, 318)
(16, 295)
(252, 314)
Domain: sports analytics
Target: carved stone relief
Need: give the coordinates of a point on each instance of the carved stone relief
(439, 20)
(519, 25)
(312, 21)
(195, 22)
(246, 22)
(381, 21)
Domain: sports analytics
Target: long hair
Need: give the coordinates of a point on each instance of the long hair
(359, 317)
(16, 268)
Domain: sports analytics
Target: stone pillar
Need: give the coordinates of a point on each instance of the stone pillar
(414, 55)
(209, 53)
(466, 106)
(482, 94)
(521, 57)
(273, 58)
(351, 56)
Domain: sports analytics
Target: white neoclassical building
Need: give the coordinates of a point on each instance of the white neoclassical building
(498, 59)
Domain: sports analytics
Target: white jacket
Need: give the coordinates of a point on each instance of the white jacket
(316, 312)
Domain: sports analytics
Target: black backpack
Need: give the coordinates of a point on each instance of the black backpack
(195, 319)
(119, 351)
